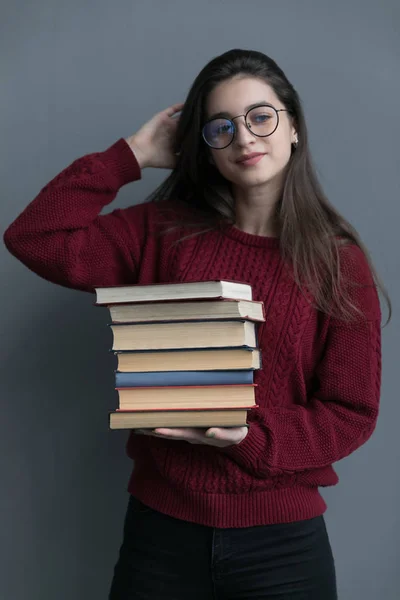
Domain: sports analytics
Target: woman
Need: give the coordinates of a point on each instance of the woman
(229, 513)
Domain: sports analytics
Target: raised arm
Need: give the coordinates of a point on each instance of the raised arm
(61, 234)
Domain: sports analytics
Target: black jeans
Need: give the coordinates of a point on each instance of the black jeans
(162, 558)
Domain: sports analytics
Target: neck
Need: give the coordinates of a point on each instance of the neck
(255, 210)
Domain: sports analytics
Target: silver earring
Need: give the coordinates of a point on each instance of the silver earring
(296, 142)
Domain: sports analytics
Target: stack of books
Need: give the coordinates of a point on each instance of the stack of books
(186, 353)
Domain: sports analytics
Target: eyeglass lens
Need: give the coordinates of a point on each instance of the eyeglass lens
(262, 121)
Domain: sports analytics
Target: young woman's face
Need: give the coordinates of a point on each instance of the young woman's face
(233, 97)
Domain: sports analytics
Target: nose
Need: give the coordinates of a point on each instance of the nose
(243, 135)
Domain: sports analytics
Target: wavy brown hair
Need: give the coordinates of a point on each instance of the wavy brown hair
(310, 229)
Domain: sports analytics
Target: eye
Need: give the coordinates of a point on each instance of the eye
(261, 118)
(224, 128)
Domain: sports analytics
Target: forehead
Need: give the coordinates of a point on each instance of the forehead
(234, 95)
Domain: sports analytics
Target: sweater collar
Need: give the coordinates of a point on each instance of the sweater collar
(250, 239)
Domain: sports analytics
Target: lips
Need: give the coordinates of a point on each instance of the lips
(249, 160)
(247, 157)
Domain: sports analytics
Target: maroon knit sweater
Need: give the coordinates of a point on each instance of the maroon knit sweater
(318, 391)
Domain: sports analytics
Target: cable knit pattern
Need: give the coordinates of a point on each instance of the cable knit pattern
(319, 386)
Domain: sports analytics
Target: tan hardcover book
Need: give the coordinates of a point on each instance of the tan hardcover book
(177, 418)
(189, 360)
(187, 397)
(159, 292)
(178, 311)
(188, 334)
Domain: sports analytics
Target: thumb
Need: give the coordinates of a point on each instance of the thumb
(219, 433)
(227, 434)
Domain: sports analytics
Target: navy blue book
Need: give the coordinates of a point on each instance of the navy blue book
(183, 378)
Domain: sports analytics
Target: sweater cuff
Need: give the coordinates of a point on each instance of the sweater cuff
(121, 162)
(248, 451)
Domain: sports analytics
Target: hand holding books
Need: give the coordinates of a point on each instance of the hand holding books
(186, 358)
(215, 436)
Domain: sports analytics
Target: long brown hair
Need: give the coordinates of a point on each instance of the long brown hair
(310, 228)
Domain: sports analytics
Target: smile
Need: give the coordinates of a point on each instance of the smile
(250, 159)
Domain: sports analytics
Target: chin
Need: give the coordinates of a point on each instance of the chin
(258, 176)
(250, 180)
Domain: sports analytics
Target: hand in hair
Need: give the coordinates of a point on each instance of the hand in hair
(153, 144)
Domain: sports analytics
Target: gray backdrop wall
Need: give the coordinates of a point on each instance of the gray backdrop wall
(75, 77)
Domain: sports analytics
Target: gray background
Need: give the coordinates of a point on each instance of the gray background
(77, 76)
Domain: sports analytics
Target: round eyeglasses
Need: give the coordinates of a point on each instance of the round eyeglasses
(262, 121)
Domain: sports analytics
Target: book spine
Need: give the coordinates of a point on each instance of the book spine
(178, 321)
(160, 350)
(183, 378)
(158, 387)
(182, 410)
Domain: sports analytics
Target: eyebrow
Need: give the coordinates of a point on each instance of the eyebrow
(226, 115)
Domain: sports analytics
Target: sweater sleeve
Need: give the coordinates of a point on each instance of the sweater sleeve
(342, 414)
(61, 235)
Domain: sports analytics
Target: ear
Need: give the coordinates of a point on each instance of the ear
(293, 131)
(293, 134)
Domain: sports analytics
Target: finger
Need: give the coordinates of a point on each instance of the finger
(227, 434)
(150, 432)
(175, 432)
(145, 432)
(175, 108)
(186, 434)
